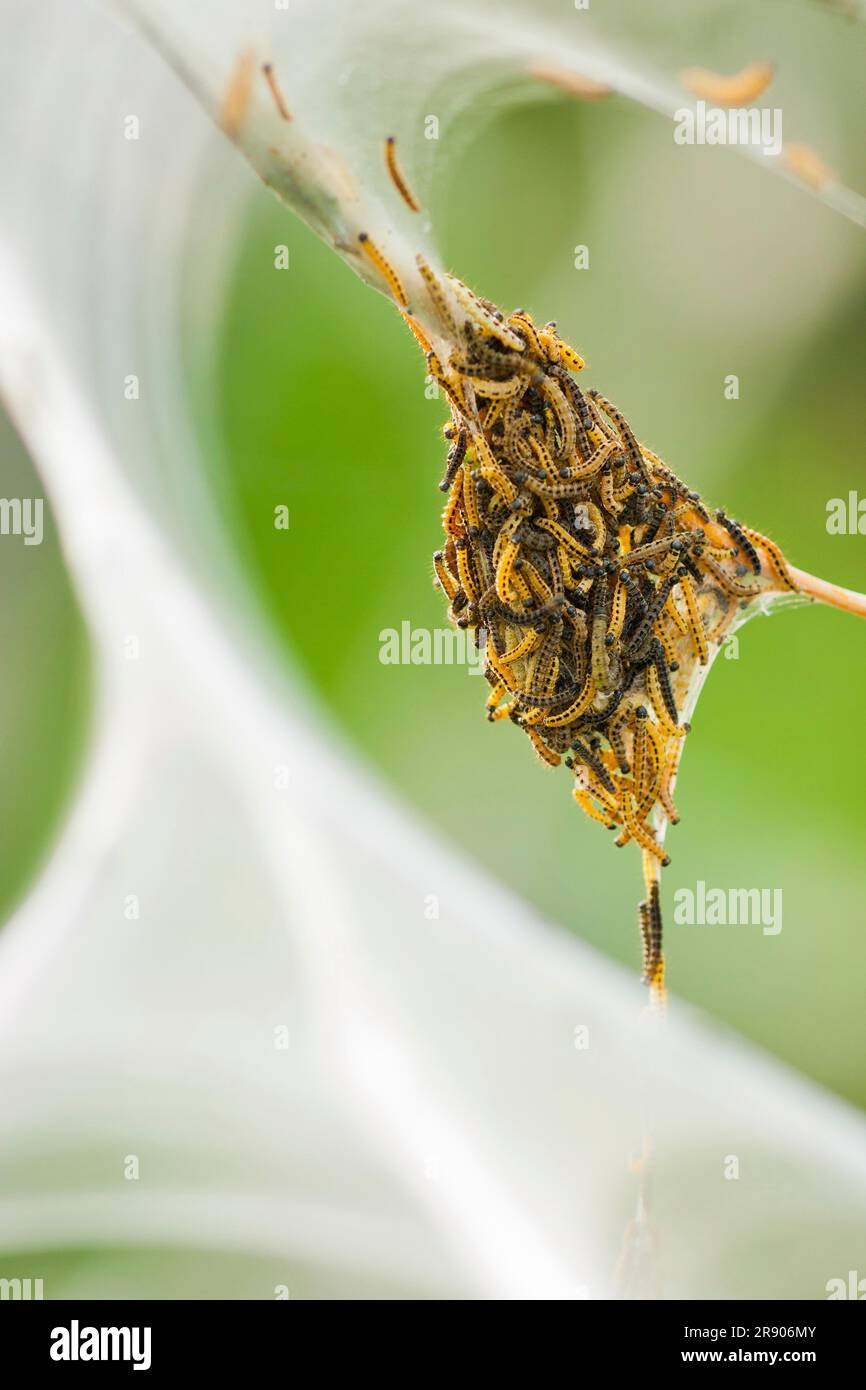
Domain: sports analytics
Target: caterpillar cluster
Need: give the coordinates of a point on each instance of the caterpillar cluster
(595, 577)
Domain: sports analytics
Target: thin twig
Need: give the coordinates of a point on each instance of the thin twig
(824, 592)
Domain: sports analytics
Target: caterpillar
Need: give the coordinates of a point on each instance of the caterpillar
(588, 563)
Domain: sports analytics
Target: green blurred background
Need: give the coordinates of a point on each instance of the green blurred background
(45, 686)
(701, 265)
